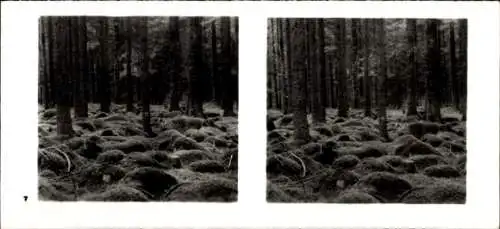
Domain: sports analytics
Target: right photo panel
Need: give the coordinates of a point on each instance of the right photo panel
(366, 110)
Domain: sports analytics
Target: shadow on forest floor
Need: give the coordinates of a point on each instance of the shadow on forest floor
(347, 162)
(109, 159)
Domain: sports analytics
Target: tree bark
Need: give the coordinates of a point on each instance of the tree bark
(462, 33)
(367, 79)
(228, 77)
(343, 106)
(382, 93)
(105, 96)
(146, 114)
(176, 73)
(80, 60)
(61, 71)
(299, 82)
(195, 63)
(412, 83)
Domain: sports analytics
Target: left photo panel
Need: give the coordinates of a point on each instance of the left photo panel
(138, 109)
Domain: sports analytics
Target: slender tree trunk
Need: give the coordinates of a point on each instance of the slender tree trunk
(354, 63)
(61, 71)
(382, 93)
(195, 63)
(105, 96)
(146, 89)
(462, 33)
(315, 75)
(117, 62)
(50, 49)
(434, 77)
(412, 83)
(45, 61)
(81, 108)
(130, 78)
(215, 74)
(343, 108)
(321, 115)
(229, 78)
(453, 67)
(176, 72)
(287, 46)
(299, 82)
(282, 65)
(367, 79)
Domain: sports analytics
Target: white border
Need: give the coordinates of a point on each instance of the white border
(19, 121)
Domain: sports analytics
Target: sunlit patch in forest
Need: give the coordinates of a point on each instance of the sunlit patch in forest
(138, 109)
(367, 111)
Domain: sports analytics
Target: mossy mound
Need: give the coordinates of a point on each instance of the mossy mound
(439, 193)
(213, 190)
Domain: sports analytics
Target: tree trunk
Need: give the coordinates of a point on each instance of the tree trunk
(343, 107)
(453, 68)
(105, 96)
(215, 74)
(46, 61)
(195, 63)
(130, 77)
(321, 115)
(117, 62)
(434, 77)
(61, 71)
(315, 74)
(299, 82)
(367, 79)
(146, 115)
(382, 93)
(176, 73)
(228, 77)
(354, 63)
(412, 83)
(81, 107)
(462, 33)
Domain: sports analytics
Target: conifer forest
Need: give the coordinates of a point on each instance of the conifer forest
(366, 110)
(138, 108)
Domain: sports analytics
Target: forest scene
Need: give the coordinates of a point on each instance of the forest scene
(138, 109)
(366, 110)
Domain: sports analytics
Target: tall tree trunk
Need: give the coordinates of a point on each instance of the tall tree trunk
(299, 82)
(215, 74)
(434, 78)
(195, 63)
(51, 59)
(61, 71)
(105, 96)
(343, 108)
(228, 76)
(315, 75)
(45, 61)
(117, 62)
(130, 77)
(382, 93)
(412, 83)
(81, 108)
(367, 79)
(176, 73)
(453, 67)
(462, 34)
(321, 115)
(287, 47)
(282, 65)
(354, 63)
(146, 85)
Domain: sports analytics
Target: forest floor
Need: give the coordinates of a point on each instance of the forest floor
(109, 159)
(347, 162)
